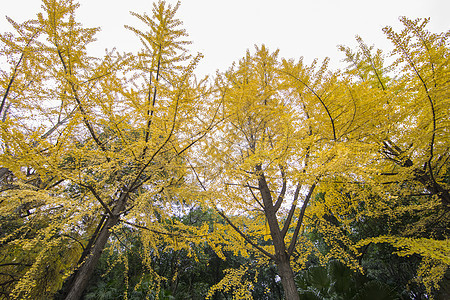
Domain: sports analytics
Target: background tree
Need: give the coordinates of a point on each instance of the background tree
(409, 172)
(406, 145)
(294, 130)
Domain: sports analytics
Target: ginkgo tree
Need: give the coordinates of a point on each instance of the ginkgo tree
(91, 144)
(407, 176)
(288, 127)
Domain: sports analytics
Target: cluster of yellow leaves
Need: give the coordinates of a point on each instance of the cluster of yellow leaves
(304, 250)
(430, 273)
(235, 282)
(436, 250)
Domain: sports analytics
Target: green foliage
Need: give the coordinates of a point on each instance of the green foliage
(180, 276)
(337, 281)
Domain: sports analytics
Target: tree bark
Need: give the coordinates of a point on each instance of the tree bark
(67, 285)
(282, 258)
(84, 273)
(4, 171)
(287, 279)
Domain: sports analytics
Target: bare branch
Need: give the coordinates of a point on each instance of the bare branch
(283, 190)
(76, 240)
(15, 264)
(97, 196)
(300, 220)
(161, 232)
(244, 236)
(287, 223)
(254, 196)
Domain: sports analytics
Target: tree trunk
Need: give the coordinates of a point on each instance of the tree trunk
(84, 273)
(287, 280)
(67, 285)
(82, 276)
(282, 258)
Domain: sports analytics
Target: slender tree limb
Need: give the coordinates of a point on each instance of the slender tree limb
(287, 223)
(161, 232)
(300, 220)
(15, 264)
(8, 282)
(320, 100)
(99, 199)
(76, 240)
(283, 190)
(122, 243)
(366, 53)
(254, 196)
(135, 183)
(152, 109)
(246, 238)
(10, 275)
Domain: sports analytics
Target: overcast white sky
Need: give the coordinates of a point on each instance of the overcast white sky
(223, 30)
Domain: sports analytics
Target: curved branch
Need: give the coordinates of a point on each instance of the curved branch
(409, 59)
(231, 223)
(320, 100)
(243, 235)
(99, 199)
(283, 190)
(254, 196)
(76, 240)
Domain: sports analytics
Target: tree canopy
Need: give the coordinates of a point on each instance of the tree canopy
(273, 164)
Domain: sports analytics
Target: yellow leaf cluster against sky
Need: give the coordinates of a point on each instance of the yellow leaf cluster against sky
(222, 30)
